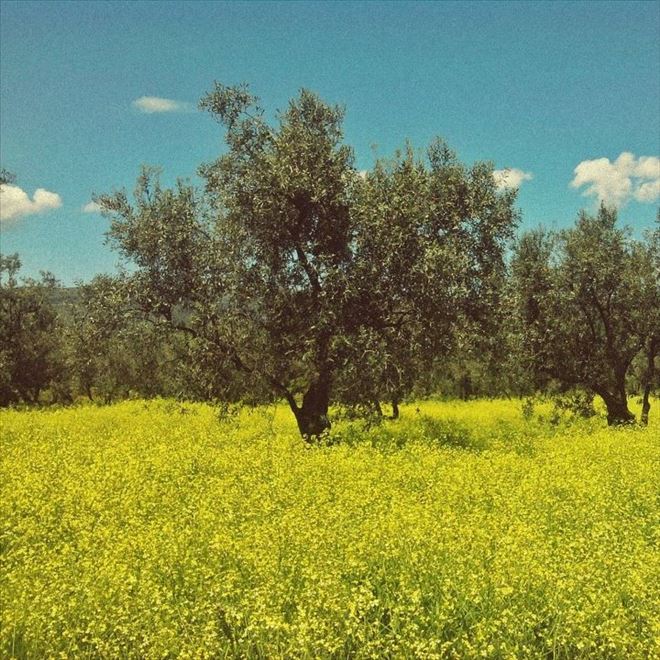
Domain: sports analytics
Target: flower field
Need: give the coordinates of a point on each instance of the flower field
(160, 530)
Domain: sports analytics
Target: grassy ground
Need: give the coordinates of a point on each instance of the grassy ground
(154, 529)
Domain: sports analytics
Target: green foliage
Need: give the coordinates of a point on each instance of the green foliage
(310, 280)
(577, 402)
(6, 177)
(586, 301)
(114, 351)
(29, 347)
(428, 266)
(111, 352)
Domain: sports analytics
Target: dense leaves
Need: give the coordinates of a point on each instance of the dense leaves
(29, 343)
(313, 280)
(587, 301)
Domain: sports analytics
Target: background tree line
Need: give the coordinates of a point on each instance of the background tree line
(290, 275)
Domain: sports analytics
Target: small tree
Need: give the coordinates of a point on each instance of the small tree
(586, 302)
(113, 350)
(29, 334)
(258, 264)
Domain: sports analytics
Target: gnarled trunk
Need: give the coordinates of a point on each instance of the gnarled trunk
(614, 395)
(312, 415)
(617, 407)
(395, 408)
(617, 412)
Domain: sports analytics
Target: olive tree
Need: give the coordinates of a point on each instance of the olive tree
(586, 302)
(29, 334)
(290, 265)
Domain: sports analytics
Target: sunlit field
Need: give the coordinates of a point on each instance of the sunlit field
(462, 530)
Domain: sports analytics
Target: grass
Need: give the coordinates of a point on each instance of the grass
(155, 530)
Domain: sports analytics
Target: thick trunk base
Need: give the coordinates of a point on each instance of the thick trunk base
(312, 424)
(618, 413)
(312, 416)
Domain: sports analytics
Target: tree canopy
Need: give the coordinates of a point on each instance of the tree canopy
(298, 270)
(29, 346)
(587, 302)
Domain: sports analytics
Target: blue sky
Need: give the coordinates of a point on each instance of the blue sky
(544, 88)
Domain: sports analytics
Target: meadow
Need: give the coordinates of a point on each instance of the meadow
(154, 529)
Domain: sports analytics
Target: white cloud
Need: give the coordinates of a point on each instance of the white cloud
(15, 202)
(511, 177)
(620, 181)
(648, 192)
(151, 104)
(91, 207)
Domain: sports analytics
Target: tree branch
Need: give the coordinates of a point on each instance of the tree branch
(312, 275)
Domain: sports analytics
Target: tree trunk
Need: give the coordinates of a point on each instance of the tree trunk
(646, 404)
(312, 416)
(395, 408)
(650, 376)
(33, 397)
(618, 413)
(617, 408)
